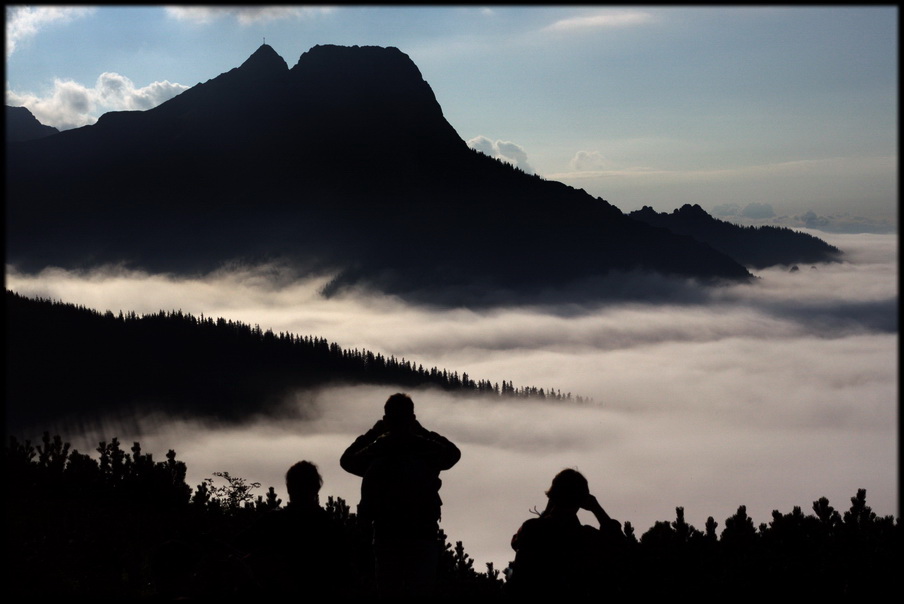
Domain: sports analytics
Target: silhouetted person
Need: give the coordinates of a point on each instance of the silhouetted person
(298, 548)
(399, 462)
(556, 556)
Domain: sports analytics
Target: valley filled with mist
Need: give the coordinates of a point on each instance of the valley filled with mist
(769, 394)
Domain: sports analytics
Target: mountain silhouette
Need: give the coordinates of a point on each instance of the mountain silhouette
(756, 247)
(344, 164)
(22, 125)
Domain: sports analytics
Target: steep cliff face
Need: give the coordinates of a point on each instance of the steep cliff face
(345, 163)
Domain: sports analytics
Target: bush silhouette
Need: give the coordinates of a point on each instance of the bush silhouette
(126, 526)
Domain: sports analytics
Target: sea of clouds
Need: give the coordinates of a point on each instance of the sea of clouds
(768, 395)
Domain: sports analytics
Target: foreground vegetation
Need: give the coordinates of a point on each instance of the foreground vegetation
(124, 525)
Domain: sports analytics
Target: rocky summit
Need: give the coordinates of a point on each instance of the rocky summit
(343, 164)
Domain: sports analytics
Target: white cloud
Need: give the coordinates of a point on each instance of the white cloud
(483, 144)
(118, 92)
(843, 222)
(25, 22)
(726, 210)
(837, 223)
(506, 151)
(758, 210)
(244, 15)
(601, 21)
(831, 185)
(71, 105)
(588, 160)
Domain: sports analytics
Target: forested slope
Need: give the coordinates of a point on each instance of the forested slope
(66, 361)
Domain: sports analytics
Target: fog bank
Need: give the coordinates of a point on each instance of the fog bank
(768, 395)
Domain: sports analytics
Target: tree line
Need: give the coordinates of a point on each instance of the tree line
(64, 359)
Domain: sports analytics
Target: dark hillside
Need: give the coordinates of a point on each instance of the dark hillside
(69, 362)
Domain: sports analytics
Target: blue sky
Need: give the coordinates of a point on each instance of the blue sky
(785, 114)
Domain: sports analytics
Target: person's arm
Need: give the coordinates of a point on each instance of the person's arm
(444, 453)
(356, 458)
(607, 524)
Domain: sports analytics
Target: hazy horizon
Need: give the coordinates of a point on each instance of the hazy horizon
(768, 395)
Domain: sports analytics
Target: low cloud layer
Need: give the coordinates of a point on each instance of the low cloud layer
(844, 222)
(751, 210)
(768, 395)
(760, 214)
(826, 186)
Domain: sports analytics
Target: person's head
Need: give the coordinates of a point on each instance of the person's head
(568, 489)
(398, 410)
(303, 482)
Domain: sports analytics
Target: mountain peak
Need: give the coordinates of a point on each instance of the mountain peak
(265, 61)
(644, 212)
(22, 125)
(375, 90)
(691, 211)
(370, 63)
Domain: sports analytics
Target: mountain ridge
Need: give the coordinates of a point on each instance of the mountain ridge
(342, 164)
(22, 125)
(756, 247)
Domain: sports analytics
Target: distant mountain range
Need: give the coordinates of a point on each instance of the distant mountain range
(756, 247)
(342, 164)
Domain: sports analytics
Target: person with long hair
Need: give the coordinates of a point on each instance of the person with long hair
(555, 555)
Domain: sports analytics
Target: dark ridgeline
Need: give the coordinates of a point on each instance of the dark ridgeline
(344, 163)
(756, 247)
(21, 125)
(66, 363)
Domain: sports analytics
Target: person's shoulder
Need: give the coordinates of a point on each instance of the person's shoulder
(537, 533)
(532, 526)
